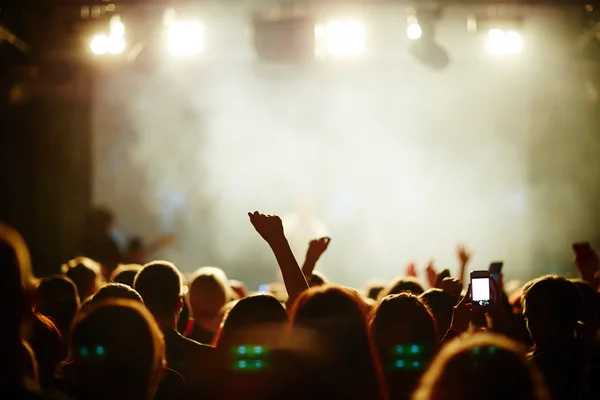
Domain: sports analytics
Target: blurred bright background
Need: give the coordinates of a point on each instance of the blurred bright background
(399, 160)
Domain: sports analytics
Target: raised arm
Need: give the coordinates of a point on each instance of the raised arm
(316, 248)
(464, 256)
(270, 228)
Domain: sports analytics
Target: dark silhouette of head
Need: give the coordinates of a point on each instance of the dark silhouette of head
(339, 317)
(57, 298)
(116, 291)
(117, 351)
(317, 279)
(256, 319)
(159, 284)
(125, 274)
(17, 361)
(441, 305)
(209, 291)
(403, 284)
(405, 336)
(85, 273)
(481, 366)
(374, 290)
(552, 305)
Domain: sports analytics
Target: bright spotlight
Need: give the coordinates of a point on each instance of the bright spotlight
(99, 44)
(342, 37)
(414, 31)
(116, 44)
(117, 28)
(504, 42)
(185, 38)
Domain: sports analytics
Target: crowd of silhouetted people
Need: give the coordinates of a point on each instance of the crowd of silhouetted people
(105, 329)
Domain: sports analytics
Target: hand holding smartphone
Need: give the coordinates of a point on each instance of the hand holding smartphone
(480, 288)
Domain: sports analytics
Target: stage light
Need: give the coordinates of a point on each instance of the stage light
(99, 44)
(185, 38)
(114, 43)
(504, 42)
(341, 37)
(414, 31)
(117, 28)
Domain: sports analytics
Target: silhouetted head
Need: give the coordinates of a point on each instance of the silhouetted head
(374, 290)
(552, 305)
(481, 366)
(85, 273)
(317, 279)
(118, 352)
(339, 317)
(441, 305)
(159, 284)
(403, 284)
(403, 320)
(125, 274)
(256, 319)
(57, 298)
(405, 336)
(209, 291)
(116, 291)
(16, 360)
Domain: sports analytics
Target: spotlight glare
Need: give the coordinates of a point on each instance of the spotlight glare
(414, 31)
(116, 44)
(185, 38)
(503, 42)
(116, 26)
(99, 44)
(343, 37)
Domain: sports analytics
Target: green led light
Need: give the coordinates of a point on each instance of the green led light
(400, 363)
(415, 349)
(400, 349)
(84, 352)
(242, 350)
(258, 350)
(100, 350)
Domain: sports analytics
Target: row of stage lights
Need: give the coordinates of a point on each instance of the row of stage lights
(182, 37)
(344, 38)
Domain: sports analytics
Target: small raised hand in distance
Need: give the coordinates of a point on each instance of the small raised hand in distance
(270, 228)
(411, 270)
(316, 248)
(464, 255)
(431, 274)
(452, 286)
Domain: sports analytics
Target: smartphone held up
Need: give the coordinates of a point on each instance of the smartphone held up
(480, 288)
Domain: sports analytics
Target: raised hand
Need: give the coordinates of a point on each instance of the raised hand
(463, 254)
(451, 286)
(411, 270)
(431, 274)
(269, 227)
(316, 248)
